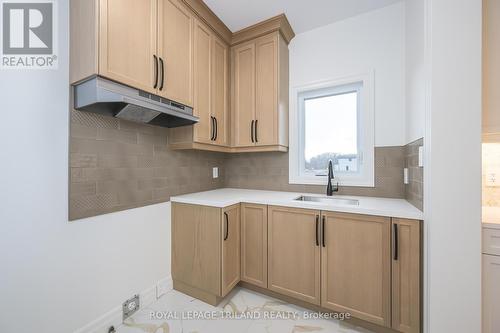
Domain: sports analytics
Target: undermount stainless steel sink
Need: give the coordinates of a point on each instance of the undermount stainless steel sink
(329, 200)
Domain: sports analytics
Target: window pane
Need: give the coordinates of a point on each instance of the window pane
(331, 133)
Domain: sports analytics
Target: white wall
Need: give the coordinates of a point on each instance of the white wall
(415, 71)
(452, 191)
(57, 276)
(371, 41)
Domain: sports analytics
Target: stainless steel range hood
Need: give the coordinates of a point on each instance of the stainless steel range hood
(99, 95)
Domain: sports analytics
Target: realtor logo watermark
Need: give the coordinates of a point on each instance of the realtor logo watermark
(28, 35)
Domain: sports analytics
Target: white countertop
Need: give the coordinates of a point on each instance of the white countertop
(367, 205)
(491, 217)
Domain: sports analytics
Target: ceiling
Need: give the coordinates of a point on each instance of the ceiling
(303, 14)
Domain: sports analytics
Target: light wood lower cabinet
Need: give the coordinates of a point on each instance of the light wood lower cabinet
(230, 248)
(368, 266)
(356, 266)
(406, 263)
(294, 253)
(254, 244)
(205, 250)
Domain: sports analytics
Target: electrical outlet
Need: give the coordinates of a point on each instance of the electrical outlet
(130, 306)
(405, 176)
(421, 156)
(215, 172)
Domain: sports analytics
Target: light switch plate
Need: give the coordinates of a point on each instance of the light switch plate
(215, 172)
(405, 175)
(421, 156)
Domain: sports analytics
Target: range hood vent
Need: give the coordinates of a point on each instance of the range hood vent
(99, 95)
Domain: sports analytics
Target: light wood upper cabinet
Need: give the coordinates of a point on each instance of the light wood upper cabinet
(254, 244)
(266, 78)
(260, 93)
(294, 253)
(126, 45)
(356, 266)
(220, 90)
(491, 67)
(204, 129)
(145, 44)
(175, 48)
(243, 100)
(406, 272)
(211, 93)
(230, 249)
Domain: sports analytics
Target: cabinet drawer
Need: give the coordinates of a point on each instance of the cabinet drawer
(491, 241)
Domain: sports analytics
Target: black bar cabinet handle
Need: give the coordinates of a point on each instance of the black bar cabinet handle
(317, 229)
(256, 138)
(216, 128)
(395, 243)
(156, 71)
(323, 232)
(212, 128)
(251, 130)
(226, 233)
(162, 73)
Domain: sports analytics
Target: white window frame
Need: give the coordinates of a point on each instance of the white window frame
(366, 133)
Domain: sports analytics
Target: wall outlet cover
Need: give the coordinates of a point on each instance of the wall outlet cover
(215, 172)
(162, 287)
(405, 176)
(421, 156)
(130, 306)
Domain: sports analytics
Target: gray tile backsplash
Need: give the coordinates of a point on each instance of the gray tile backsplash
(414, 190)
(269, 171)
(116, 165)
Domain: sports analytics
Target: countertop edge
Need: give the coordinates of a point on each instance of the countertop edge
(222, 203)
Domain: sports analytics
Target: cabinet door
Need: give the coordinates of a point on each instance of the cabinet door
(406, 275)
(202, 83)
(294, 254)
(196, 249)
(266, 114)
(220, 89)
(491, 294)
(230, 249)
(356, 266)
(254, 244)
(175, 47)
(243, 94)
(127, 43)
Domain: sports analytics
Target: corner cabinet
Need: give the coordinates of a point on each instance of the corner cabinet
(260, 94)
(254, 244)
(211, 94)
(205, 250)
(143, 44)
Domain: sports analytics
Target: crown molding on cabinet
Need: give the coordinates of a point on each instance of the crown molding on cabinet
(205, 14)
(277, 23)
